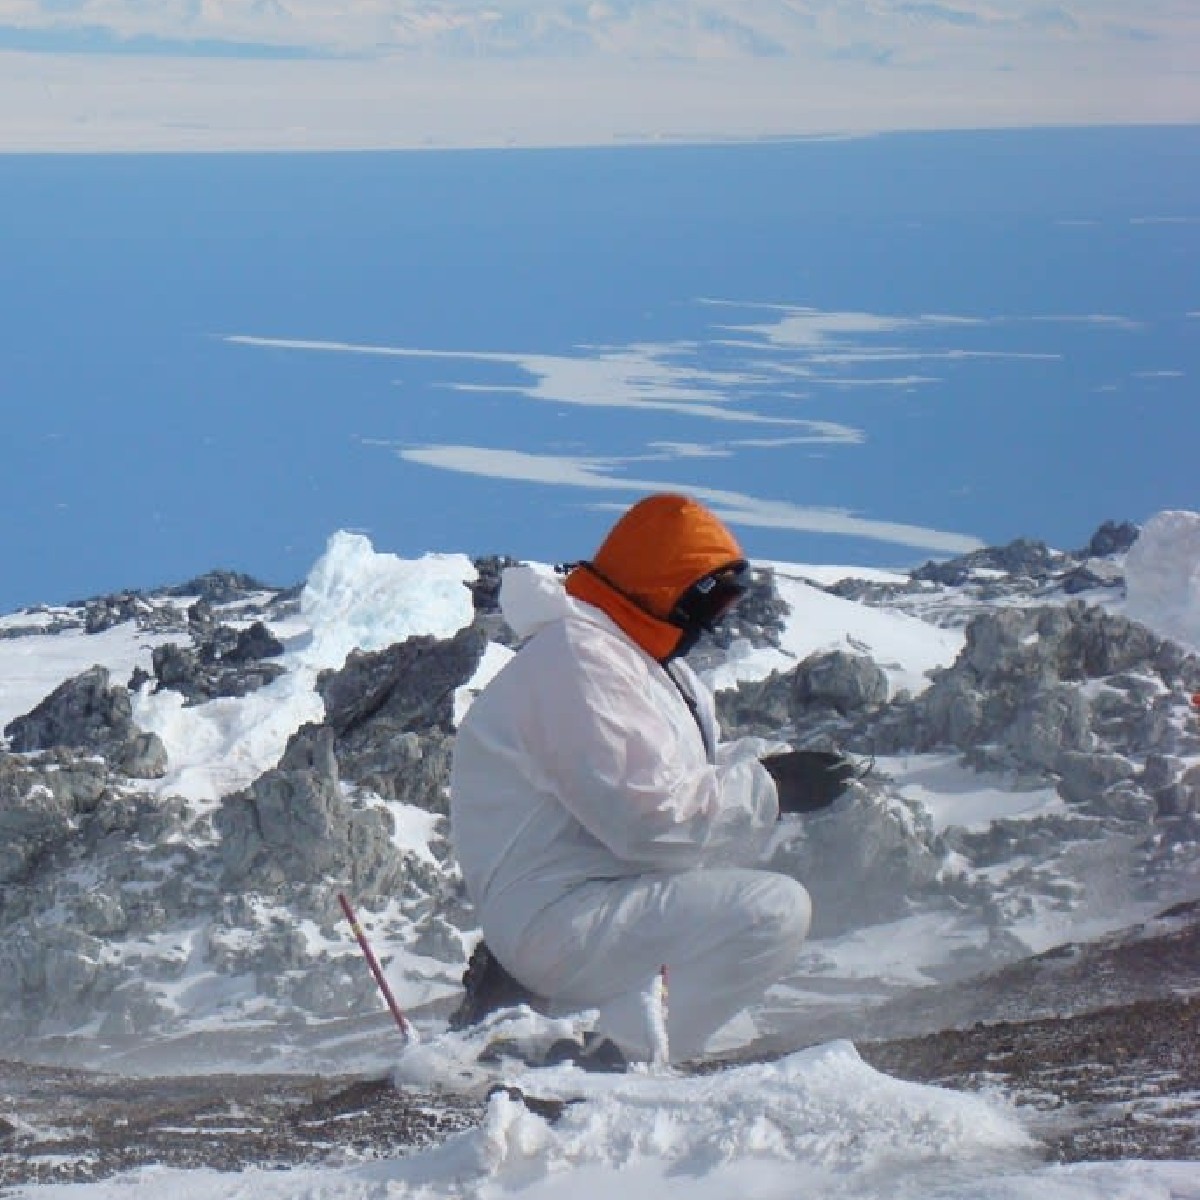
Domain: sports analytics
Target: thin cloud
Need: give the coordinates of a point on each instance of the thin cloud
(636, 377)
(596, 474)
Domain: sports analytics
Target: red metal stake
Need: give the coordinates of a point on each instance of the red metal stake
(410, 1034)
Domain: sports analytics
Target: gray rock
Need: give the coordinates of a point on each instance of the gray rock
(33, 819)
(1089, 576)
(1047, 724)
(220, 587)
(862, 861)
(132, 1010)
(107, 611)
(84, 712)
(1173, 784)
(1113, 537)
(407, 687)
(951, 714)
(1084, 777)
(844, 682)
(254, 643)
(1123, 802)
(485, 590)
(295, 824)
(759, 617)
(1023, 558)
(143, 756)
(761, 708)
(392, 713)
(227, 662)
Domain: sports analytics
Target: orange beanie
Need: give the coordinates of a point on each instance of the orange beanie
(651, 556)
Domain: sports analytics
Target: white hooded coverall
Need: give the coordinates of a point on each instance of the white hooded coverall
(601, 832)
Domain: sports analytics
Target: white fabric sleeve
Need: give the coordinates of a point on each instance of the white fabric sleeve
(749, 747)
(634, 775)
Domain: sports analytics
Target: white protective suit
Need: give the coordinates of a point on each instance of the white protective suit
(599, 827)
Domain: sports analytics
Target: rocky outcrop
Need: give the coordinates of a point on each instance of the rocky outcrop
(221, 587)
(392, 714)
(88, 713)
(864, 862)
(1068, 697)
(1022, 695)
(226, 662)
(296, 824)
(759, 616)
(1113, 537)
(1022, 559)
(846, 683)
(811, 700)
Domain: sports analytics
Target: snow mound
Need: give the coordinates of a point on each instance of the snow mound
(357, 599)
(1162, 577)
(823, 1108)
(817, 1123)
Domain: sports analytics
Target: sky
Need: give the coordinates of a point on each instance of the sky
(308, 74)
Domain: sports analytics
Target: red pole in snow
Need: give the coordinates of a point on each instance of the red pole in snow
(401, 1020)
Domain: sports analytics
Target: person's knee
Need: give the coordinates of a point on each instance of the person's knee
(784, 913)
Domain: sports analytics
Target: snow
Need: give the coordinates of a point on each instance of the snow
(905, 647)
(32, 667)
(495, 659)
(817, 1123)
(953, 794)
(1162, 577)
(355, 599)
(904, 953)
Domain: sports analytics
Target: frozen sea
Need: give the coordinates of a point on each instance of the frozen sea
(876, 350)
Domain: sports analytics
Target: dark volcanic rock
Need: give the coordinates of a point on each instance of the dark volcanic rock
(407, 687)
(220, 587)
(227, 662)
(106, 611)
(254, 643)
(485, 591)
(392, 712)
(87, 713)
(1113, 537)
(1023, 558)
(78, 1126)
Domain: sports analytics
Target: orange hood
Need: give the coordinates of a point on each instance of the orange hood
(653, 554)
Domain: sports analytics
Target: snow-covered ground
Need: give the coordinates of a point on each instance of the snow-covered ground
(818, 1123)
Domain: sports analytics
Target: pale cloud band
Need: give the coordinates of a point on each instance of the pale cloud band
(330, 74)
(791, 346)
(642, 377)
(598, 474)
